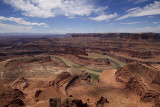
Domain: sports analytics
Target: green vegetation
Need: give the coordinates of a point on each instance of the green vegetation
(116, 65)
(60, 60)
(93, 72)
(77, 66)
(68, 62)
(71, 64)
(94, 76)
(94, 69)
(115, 62)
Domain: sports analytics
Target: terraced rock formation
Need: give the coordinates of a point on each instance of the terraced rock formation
(65, 80)
(142, 80)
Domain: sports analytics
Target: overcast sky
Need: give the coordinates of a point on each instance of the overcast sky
(79, 16)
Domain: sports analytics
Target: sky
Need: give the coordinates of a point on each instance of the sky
(79, 16)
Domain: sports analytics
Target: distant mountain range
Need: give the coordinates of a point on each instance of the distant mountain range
(30, 34)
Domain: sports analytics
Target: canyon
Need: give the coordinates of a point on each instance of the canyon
(80, 70)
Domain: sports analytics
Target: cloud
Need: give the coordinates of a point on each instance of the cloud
(7, 28)
(133, 22)
(140, 30)
(104, 17)
(52, 8)
(155, 22)
(132, 9)
(151, 9)
(138, 1)
(101, 9)
(21, 21)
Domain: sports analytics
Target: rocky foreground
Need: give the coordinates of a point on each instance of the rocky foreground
(134, 83)
(143, 81)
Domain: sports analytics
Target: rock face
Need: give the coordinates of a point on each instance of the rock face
(129, 60)
(67, 102)
(74, 51)
(142, 80)
(132, 53)
(20, 84)
(38, 92)
(102, 102)
(61, 81)
(11, 98)
(16, 103)
(66, 80)
(97, 61)
(134, 36)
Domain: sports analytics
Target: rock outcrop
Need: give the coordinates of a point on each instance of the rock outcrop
(66, 102)
(38, 92)
(142, 80)
(66, 80)
(16, 103)
(20, 84)
(102, 102)
(11, 97)
(62, 80)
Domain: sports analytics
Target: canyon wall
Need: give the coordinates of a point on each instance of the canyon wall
(135, 36)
